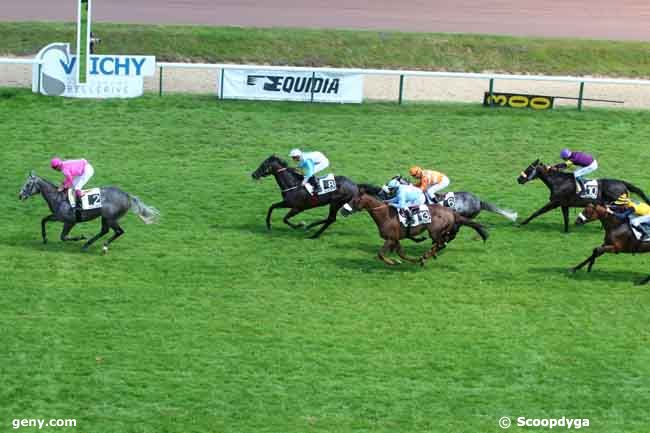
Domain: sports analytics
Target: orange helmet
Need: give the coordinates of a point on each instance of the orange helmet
(415, 171)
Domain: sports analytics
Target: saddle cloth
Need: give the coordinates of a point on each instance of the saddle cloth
(421, 216)
(326, 184)
(640, 236)
(590, 190)
(91, 198)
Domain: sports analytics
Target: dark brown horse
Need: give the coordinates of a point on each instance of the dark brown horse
(562, 187)
(443, 227)
(619, 238)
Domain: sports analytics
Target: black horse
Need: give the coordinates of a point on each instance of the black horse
(115, 203)
(296, 198)
(562, 186)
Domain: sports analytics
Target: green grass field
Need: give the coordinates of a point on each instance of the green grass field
(346, 48)
(209, 323)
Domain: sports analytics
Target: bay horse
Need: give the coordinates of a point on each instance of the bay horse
(619, 237)
(297, 199)
(115, 203)
(443, 227)
(563, 194)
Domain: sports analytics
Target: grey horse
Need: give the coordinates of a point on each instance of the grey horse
(465, 203)
(115, 203)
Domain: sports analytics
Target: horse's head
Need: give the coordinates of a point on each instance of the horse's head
(530, 172)
(30, 187)
(591, 212)
(367, 196)
(269, 166)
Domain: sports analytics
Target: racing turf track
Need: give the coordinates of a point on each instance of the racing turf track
(209, 323)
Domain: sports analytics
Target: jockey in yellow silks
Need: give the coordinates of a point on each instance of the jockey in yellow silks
(641, 213)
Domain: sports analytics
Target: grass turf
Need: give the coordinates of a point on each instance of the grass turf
(341, 48)
(209, 323)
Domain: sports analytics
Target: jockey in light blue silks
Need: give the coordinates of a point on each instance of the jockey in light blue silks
(310, 163)
(405, 196)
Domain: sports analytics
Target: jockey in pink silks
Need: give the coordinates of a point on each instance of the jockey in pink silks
(77, 173)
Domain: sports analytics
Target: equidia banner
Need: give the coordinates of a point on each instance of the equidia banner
(291, 86)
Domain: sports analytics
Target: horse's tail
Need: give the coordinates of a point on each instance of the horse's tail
(511, 215)
(636, 190)
(482, 231)
(148, 214)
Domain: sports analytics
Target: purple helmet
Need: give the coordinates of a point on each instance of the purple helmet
(56, 162)
(565, 154)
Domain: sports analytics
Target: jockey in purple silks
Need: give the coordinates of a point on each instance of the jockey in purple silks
(77, 173)
(585, 161)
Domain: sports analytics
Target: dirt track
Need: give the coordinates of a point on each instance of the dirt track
(595, 19)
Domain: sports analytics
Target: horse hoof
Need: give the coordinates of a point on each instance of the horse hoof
(571, 270)
(104, 249)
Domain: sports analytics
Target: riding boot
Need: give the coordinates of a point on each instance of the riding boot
(314, 184)
(580, 185)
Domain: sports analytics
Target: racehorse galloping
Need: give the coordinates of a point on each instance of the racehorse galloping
(619, 238)
(115, 203)
(465, 203)
(443, 227)
(296, 198)
(563, 190)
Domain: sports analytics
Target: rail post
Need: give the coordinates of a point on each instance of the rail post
(491, 91)
(582, 90)
(160, 82)
(313, 80)
(401, 88)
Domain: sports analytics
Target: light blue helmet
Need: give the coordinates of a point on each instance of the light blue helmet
(394, 183)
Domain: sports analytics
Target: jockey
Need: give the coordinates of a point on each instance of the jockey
(311, 163)
(429, 181)
(405, 196)
(585, 161)
(77, 173)
(640, 211)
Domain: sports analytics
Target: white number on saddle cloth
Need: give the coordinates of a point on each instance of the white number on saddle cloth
(449, 200)
(326, 184)
(591, 190)
(421, 216)
(92, 199)
(638, 234)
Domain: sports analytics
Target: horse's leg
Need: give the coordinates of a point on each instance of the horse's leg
(385, 249)
(328, 221)
(429, 254)
(102, 232)
(547, 207)
(43, 222)
(599, 252)
(565, 215)
(66, 230)
(590, 260)
(268, 214)
(117, 232)
(417, 240)
(293, 212)
(402, 254)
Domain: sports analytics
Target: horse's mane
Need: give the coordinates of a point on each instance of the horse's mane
(49, 182)
(284, 164)
(369, 189)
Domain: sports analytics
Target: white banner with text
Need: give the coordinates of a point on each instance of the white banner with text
(291, 86)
